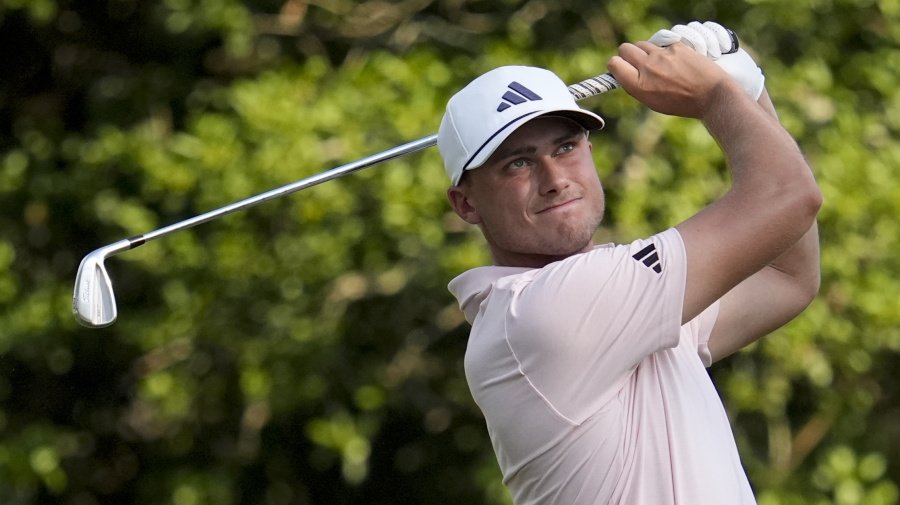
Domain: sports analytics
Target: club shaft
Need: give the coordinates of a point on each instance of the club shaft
(328, 175)
(584, 89)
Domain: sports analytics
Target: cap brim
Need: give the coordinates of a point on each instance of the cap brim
(587, 119)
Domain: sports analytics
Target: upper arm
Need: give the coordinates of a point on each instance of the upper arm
(756, 307)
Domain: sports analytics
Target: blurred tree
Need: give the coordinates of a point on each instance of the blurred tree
(307, 351)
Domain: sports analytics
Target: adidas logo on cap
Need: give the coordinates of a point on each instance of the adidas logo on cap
(518, 94)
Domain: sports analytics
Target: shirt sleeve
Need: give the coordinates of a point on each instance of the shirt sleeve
(700, 329)
(580, 326)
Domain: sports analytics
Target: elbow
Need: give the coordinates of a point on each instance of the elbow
(802, 255)
(802, 202)
(816, 199)
(808, 244)
(810, 202)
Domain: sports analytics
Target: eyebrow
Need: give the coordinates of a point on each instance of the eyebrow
(500, 154)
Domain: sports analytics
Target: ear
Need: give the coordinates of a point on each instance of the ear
(459, 200)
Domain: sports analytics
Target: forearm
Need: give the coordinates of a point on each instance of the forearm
(773, 188)
(801, 261)
(761, 154)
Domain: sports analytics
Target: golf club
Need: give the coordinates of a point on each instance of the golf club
(94, 303)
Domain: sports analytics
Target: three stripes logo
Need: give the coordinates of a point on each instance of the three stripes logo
(648, 257)
(517, 94)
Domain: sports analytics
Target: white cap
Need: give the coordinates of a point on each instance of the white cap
(483, 114)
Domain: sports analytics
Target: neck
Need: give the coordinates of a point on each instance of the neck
(532, 260)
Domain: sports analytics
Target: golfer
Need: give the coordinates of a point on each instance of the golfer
(588, 361)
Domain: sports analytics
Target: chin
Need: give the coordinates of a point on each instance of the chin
(574, 241)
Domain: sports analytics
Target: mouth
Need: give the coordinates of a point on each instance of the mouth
(559, 206)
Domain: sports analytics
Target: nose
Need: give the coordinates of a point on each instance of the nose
(552, 177)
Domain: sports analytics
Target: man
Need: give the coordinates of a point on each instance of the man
(589, 361)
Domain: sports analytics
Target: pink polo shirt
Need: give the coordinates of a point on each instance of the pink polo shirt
(592, 390)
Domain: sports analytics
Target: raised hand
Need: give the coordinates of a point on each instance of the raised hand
(675, 80)
(720, 45)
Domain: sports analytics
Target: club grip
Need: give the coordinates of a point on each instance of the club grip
(594, 86)
(606, 82)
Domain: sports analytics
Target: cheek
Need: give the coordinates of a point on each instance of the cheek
(594, 187)
(501, 210)
(589, 178)
(509, 198)
(599, 185)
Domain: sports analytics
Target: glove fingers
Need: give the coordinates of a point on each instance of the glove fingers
(728, 41)
(664, 38)
(713, 50)
(691, 38)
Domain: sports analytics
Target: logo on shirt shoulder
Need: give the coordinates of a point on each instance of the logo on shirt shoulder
(649, 258)
(517, 94)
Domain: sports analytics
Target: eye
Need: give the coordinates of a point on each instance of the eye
(565, 148)
(517, 164)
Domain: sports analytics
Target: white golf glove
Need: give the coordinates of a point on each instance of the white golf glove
(721, 46)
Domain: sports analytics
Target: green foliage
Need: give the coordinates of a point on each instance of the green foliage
(306, 350)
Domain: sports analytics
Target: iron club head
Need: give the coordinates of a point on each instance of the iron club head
(94, 303)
